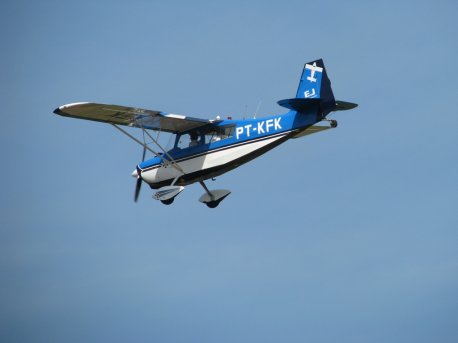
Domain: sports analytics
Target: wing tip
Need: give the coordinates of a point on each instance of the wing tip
(60, 110)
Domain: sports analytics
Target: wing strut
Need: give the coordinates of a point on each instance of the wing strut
(136, 140)
(172, 161)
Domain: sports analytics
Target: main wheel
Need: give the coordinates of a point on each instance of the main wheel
(212, 204)
(168, 201)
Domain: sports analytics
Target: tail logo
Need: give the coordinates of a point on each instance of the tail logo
(313, 69)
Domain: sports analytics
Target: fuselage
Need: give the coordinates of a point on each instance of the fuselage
(236, 142)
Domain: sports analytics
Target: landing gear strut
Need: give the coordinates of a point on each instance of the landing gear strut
(214, 197)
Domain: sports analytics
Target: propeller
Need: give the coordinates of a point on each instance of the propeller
(138, 185)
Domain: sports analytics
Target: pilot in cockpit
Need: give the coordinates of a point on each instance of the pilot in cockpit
(193, 137)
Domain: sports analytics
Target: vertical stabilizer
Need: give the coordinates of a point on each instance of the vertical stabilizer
(315, 84)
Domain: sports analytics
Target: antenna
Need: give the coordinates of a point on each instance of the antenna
(257, 109)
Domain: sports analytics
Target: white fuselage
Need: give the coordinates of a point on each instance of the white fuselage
(210, 160)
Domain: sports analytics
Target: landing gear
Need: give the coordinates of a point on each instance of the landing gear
(214, 197)
(167, 193)
(212, 204)
(215, 203)
(168, 201)
(332, 122)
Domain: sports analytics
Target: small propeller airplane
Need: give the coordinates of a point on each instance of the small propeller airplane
(204, 149)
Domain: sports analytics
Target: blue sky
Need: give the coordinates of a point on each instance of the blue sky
(349, 235)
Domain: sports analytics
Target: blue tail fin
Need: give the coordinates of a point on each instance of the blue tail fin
(314, 88)
(315, 84)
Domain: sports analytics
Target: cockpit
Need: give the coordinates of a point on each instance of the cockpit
(202, 136)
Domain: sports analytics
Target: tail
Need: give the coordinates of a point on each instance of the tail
(315, 84)
(315, 92)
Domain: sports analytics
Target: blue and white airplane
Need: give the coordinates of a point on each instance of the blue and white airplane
(204, 149)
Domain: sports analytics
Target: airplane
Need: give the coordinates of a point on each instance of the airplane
(206, 148)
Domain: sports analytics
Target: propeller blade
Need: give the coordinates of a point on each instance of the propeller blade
(138, 186)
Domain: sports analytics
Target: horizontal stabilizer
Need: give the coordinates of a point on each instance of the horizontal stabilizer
(343, 105)
(299, 104)
(303, 104)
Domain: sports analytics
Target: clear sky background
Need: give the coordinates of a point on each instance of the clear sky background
(350, 235)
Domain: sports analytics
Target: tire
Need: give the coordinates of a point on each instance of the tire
(168, 201)
(212, 204)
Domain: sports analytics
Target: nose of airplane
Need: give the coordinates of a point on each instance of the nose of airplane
(135, 173)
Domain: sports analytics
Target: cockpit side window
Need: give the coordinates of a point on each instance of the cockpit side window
(188, 140)
(182, 141)
(194, 138)
(219, 133)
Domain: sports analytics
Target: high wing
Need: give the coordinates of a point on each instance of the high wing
(132, 116)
